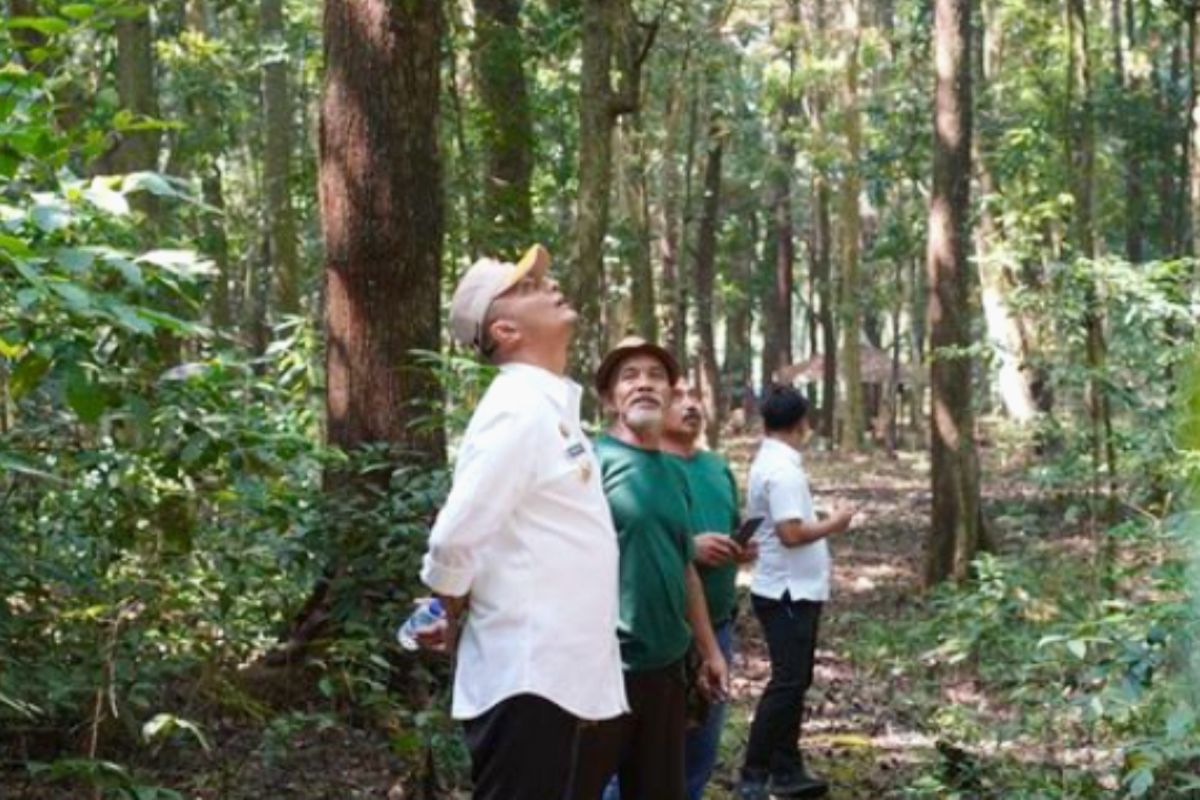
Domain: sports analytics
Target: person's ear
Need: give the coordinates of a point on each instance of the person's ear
(504, 332)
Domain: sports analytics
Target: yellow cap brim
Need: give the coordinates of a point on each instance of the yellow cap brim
(536, 260)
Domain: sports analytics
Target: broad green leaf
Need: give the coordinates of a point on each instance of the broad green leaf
(10, 350)
(77, 11)
(106, 199)
(46, 25)
(27, 374)
(185, 263)
(78, 298)
(84, 397)
(1078, 648)
(50, 217)
(129, 318)
(10, 463)
(163, 725)
(74, 259)
(28, 271)
(148, 181)
(1179, 722)
(14, 246)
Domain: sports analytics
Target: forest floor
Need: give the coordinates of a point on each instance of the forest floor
(864, 732)
(855, 734)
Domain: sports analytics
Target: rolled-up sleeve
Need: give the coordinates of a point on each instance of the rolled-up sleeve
(493, 471)
(788, 496)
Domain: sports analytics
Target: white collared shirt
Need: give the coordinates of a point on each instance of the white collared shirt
(527, 533)
(779, 492)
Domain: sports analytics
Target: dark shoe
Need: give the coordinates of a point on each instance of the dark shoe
(798, 784)
(752, 790)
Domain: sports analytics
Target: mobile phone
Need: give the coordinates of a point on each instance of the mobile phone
(747, 529)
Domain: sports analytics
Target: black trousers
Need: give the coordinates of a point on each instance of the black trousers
(649, 741)
(528, 748)
(790, 627)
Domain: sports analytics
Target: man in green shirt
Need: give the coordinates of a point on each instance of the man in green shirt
(662, 605)
(714, 513)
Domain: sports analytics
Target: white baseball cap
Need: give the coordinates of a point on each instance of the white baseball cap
(486, 280)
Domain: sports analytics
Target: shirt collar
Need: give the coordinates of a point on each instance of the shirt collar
(778, 448)
(565, 392)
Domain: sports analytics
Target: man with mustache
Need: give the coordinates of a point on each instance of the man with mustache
(662, 598)
(714, 517)
(526, 534)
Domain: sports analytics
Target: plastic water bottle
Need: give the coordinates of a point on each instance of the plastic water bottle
(425, 615)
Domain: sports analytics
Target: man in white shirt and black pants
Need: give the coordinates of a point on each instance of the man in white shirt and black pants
(791, 582)
(527, 536)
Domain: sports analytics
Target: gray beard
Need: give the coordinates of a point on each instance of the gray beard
(644, 420)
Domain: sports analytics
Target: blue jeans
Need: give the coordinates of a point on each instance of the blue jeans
(702, 744)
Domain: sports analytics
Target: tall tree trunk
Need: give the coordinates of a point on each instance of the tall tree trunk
(1003, 328)
(706, 256)
(382, 220)
(674, 293)
(1083, 147)
(136, 93)
(851, 309)
(777, 343)
(508, 126)
(739, 324)
(635, 209)
(611, 43)
(1193, 126)
(277, 159)
(956, 520)
(1129, 91)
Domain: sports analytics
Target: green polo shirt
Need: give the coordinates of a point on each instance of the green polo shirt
(647, 492)
(714, 496)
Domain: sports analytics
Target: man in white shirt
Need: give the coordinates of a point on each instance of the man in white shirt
(527, 535)
(791, 582)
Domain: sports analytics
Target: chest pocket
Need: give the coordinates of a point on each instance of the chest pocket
(569, 457)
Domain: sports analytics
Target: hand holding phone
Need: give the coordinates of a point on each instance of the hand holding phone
(747, 529)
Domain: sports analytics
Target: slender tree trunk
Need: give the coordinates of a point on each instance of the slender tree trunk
(739, 324)
(382, 220)
(706, 255)
(507, 126)
(1193, 126)
(277, 159)
(1084, 149)
(611, 44)
(674, 294)
(1002, 325)
(635, 210)
(1130, 91)
(956, 521)
(136, 93)
(851, 316)
(777, 344)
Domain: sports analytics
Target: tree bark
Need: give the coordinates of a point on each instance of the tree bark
(1193, 127)
(611, 43)
(137, 94)
(381, 214)
(956, 519)
(851, 310)
(1083, 147)
(499, 58)
(277, 160)
(635, 209)
(1129, 91)
(674, 293)
(777, 342)
(1003, 328)
(739, 324)
(706, 255)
